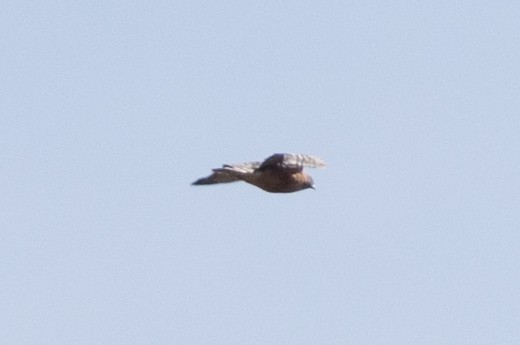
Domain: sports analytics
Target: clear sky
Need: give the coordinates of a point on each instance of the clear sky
(110, 109)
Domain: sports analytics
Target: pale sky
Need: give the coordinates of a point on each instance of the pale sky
(110, 109)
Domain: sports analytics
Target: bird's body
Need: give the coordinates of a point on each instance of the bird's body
(280, 173)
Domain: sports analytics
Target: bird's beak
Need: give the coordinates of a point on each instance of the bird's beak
(313, 187)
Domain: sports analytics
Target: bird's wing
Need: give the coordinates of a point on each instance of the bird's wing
(290, 161)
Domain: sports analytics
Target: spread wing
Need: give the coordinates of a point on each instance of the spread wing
(228, 173)
(294, 162)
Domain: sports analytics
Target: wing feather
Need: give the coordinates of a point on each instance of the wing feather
(292, 161)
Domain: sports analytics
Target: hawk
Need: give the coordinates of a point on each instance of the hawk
(280, 173)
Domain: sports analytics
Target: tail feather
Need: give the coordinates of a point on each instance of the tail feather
(220, 175)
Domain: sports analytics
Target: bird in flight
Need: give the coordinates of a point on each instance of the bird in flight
(280, 173)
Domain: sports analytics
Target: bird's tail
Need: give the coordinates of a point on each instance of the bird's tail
(221, 175)
(229, 173)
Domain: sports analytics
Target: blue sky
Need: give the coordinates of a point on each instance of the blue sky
(109, 110)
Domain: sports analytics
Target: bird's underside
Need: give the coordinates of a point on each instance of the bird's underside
(280, 173)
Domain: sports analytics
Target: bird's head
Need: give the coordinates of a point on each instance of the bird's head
(309, 183)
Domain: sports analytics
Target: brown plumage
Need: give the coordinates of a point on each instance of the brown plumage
(280, 173)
